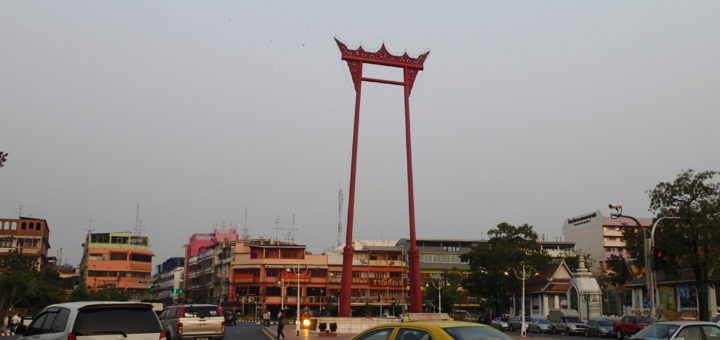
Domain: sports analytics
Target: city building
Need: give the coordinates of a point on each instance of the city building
(121, 259)
(27, 236)
(600, 237)
(168, 280)
(198, 243)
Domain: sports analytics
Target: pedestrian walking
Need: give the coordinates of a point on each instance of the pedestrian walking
(281, 325)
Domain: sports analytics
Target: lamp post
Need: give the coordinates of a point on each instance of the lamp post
(648, 266)
(586, 296)
(281, 283)
(652, 271)
(523, 275)
(438, 286)
(297, 273)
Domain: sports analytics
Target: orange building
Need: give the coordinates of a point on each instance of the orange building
(26, 236)
(267, 273)
(118, 259)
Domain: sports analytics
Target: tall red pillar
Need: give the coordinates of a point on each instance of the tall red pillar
(411, 66)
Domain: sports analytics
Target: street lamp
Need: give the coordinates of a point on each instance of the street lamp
(297, 273)
(438, 286)
(648, 284)
(523, 275)
(647, 245)
(281, 283)
(652, 269)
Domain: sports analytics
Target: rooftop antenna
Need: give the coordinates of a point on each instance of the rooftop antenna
(291, 231)
(89, 227)
(138, 221)
(245, 232)
(277, 227)
(340, 205)
(19, 211)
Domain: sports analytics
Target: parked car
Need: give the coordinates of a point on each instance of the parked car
(686, 330)
(501, 323)
(599, 328)
(539, 326)
(435, 330)
(515, 323)
(106, 320)
(566, 321)
(196, 322)
(629, 325)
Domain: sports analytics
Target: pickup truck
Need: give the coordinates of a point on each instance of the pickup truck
(630, 324)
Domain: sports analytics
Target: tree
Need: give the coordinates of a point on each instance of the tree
(448, 283)
(107, 292)
(692, 240)
(508, 246)
(23, 287)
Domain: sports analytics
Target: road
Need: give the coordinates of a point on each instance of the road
(252, 331)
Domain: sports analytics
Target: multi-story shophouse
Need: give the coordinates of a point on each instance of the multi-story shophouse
(199, 243)
(26, 236)
(121, 260)
(379, 282)
(168, 280)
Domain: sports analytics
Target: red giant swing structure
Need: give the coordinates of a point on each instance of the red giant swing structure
(410, 66)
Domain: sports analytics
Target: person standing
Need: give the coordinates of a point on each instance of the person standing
(281, 324)
(266, 318)
(15, 322)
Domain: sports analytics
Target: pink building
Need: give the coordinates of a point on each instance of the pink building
(198, 242)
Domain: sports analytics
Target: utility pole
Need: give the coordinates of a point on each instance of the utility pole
(340, 205)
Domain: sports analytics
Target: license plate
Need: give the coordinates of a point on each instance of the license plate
(201, 338)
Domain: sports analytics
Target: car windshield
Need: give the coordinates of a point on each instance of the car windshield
(716, 318)
(604, 323)
(655, 332)
(476, 333)
(504, 319)
(544, 321)
(643, 319)
(116, 320)
(573, 320)
(200, 312)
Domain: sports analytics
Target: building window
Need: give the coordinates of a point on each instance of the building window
(37, 226)
(272, 291)
(118, 257)
(140, 258)
(271, 273)
(13, 226)
(6, 242)
(23, 226)
(315, 291)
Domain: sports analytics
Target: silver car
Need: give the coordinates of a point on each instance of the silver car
(104, 320)
(539, 326)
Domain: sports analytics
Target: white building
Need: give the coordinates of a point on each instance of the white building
(599, 236)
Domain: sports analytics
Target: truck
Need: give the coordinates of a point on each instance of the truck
(629, 325)
(565, 321)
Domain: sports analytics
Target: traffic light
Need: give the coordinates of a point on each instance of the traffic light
(177, 291)
(150, 286)
(659, 258)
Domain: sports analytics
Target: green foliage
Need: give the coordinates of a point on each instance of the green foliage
(106, 292)
(693, 239)
(22, 287)
(508, 247)
(448, 284)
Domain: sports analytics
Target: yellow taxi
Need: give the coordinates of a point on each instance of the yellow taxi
(432, 330)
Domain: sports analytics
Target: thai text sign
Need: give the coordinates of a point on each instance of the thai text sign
(292, 277)
(244, 277)
(386, 282)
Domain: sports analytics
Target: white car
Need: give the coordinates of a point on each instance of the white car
(676, 330)
(99, 320)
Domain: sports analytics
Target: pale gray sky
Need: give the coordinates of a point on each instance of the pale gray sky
(528, 111)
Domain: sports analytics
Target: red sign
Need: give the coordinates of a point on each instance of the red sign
(291, 277)
(240, 277)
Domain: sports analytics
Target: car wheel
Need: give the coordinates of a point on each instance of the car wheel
(587, 334)
(618, 334)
